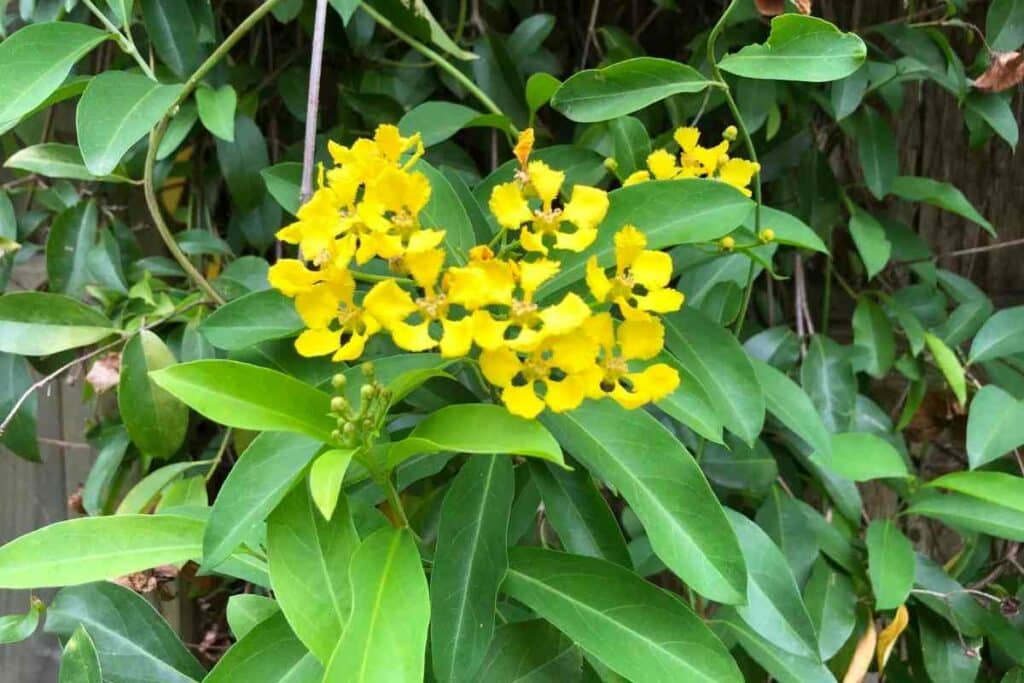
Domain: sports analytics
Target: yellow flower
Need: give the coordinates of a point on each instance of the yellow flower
(738, 173)
(554, 374)
(641, 277)
(484, 281)
(291, 276)
(637, 339)
(413, 323)
(389, 216)
(336, 323)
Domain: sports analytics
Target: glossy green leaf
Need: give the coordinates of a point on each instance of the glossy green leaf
(269, 653)
(878, 152)
(141, 496)
(56, 160)
(791, 405)
(540, 88)
(999, 488)
(784, 666)
(172, 28)
(21, 433)
(40, 323)
(133, 641)
(848, 93)
(949, 366)
(283, 182)
(241, 161)
(689, 533)
(251, 319)
(689, 403)
(1000, 336)
(415, 17)
(156, 420)
(386, 636)
(827, 377)
(495, 430)
(1004, 25)
(469, 565)
(940, 194)
(947, 654)
(631, 626)
(445, 212)
(35, 61)
(631, 144)
(217, 110)
(116, 110)
(246, 610)
(995, 425)
(721, 366)
(325, 477)
(996, 110)
(531, 651)
(249, 397)
(438, 121)
(832, 604)
(860, 456)
(177, 130)
(774, 607)
(790, 230)
(309, 560)
(72, 234)
(873, 338)
(972, 514)
(890, 564)
(624, 87)
(791, 529)
(579, 513)
(80, 662)
(713, 209)
(15, 628)
(872, 244)
(799, 48)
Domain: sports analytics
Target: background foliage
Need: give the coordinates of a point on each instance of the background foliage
(834, 488)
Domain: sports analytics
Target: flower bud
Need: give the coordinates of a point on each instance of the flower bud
(335, 435)
(766, 235)
(368, 370)
(727, 243)
(339, 404)
(367, 391)
(339, 381)
(350, 428)
(730, 133)
(611, 164)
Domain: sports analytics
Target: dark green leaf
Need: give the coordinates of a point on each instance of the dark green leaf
(171, 27)
(878, 152)
(873, 338)
(631, 144)
(995, 425)
(72, 235)
(869, 236)
(832, 604)
(947, 656)
(155, 419)
(792, 406)
(283, 183)
(1000, 336)
(20, 435)
(80, 662)
(828, 379)
(890, 564)
(445, 212)
(1004, 25)
(241, 162)
(785, 666)
(530, 652)
(942, 195)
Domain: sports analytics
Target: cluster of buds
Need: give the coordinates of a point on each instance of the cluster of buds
(359, 425)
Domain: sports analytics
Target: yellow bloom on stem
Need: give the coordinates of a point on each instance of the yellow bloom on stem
(739, 173)
(484, 281)
(389, 217)
(554, 374)
(414, 322)
(291, 276)
(633, 340)
(336, 323)
(641, 278)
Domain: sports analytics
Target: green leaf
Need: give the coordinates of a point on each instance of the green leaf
(540, 88)
(495, 430)
(156, 421)
(713, 209)
(784, 666)
(134, 643)
(249, 397)
(999, 488)
(469, 565)
(414, 17)
(1000, 336)
(1004, 25)
(172, 29)
(942, 195)
(35, 61)
(217, 110)
(860, 456)
(631, 144)
(309, 560)
(579, 513)
(445, 212)
(995, 425)
(872, 244)
(325, 477)
(177, 130)
(96, 548)
(386, 636)
(72, 234)
(946, 654)
(721, 367)
(971, 514)
(80, 663)
(56, 160)
(439, 121)
(848, 93)
(141, 496)
(283, 182)
(269, 653)
(15, 628)
(241, 162)
(799, 48)
(40, 323)
(792, 406)
(250, 319)
(246, 610)
(791, 529)
(689, 533)
(261, 478)
(997, 111)
(531, 651)
(789, 229)
(890, 564)
(949, 365)
(878, 152)
(116, 110)
(624, 87)
(873, 338)
(827, 377)
(21, 433)
(689, 403)
(639, 631)
(773, 606)
(832, 604)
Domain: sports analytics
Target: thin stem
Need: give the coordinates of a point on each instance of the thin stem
(220, 454)
(313, 100)
(738, 326)
(394, 500)
(359, 276)
(439, 60)
(124, 40)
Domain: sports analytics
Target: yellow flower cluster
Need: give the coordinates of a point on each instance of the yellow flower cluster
(536, 354)
(694, 161)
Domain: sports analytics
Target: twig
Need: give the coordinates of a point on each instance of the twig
(124, 40)
(220, 454)
(63, 444)
(316, 60)
(591, 25)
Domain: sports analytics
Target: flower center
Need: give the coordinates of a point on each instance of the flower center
(433, 306)
(547, 220)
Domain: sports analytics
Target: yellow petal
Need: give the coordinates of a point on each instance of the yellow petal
(317, 307)
(425, 266)
(738, 172)
(857, 671)
(457, 337)
(662, 164)
(687, 138)
(628, 399)
(655, 382)
(499, 366)
(660, 301)
(524, 145)
(351, 349)
(573, 353)
(636, 177)
(509, 206)
(641, 339)
(652, 269)
(577, 241)
(597, 280)
(421, 240)
(587, 207)
(532, 241)
(546, 181)
(413, 337)
(389, 141)
(388, 303)
(564, 395)
(481, 283)
(488, 333)
(290, 277)
(522, 401)
(533, 274)
(565, 316)
(629, 243)
(291, 233)
(317, 342)
(887, 638)
(600, 328)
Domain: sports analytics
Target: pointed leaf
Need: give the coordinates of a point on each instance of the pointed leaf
(217, 110)
(39, 324)
(943, 195)
(832, 604)
(80, 663)
(793, 408)
(995, 425)
(1000, 336)
(269, 653)
(246, 610)
(890, 564)
(72, 235)
(156, 421)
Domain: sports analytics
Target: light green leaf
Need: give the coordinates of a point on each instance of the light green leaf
(942, 195)
(96, 548)
(386, 635)
(624, 87)
(269, 653)
(309, 564)
(689, 533)
(249, 397)
(325, 477)
(789, 229)
(995, 425)
(246, 610)
(156, 421)
(438, 121)
(116, 110)
(971, 514)
(80, 663)
(15, 628)
(56, 160)
(872, 244)
(860, 456)
(890, 564)
(40, 323)
(1001, 335)
(999, 488)
(35, 61)
(637, 630)
(142, 495)
(997, 111)
(949, 365)
(72, 234)
(495, 430)
(799, 48)
(832, 604)
(177, 130)
(217, 110)
(540, 87)
(791, 529)
(792, 406)
(469, 565)
(250, 319)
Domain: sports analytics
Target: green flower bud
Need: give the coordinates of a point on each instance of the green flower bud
(339, 381)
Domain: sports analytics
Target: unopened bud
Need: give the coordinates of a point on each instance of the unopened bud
(367, 424)
(727, 243)
(366, 391)
(611, 164)
(339, 381)
(730, 133)
(335, 435)
(368, 370)
(766, 235)
(350, 428)
(339, 404)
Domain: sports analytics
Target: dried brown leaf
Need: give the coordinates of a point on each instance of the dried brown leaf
(1005, 71)
(105, 373)
(803, 5)
(861, 661)
(770, 8)
(887, 638)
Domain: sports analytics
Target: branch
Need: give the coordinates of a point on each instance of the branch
(313, 101)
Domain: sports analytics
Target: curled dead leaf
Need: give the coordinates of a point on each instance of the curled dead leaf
(887, 638)
(770, 8)
(105, 373)
(803, 5)
(1004, 72)
(861, 661)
